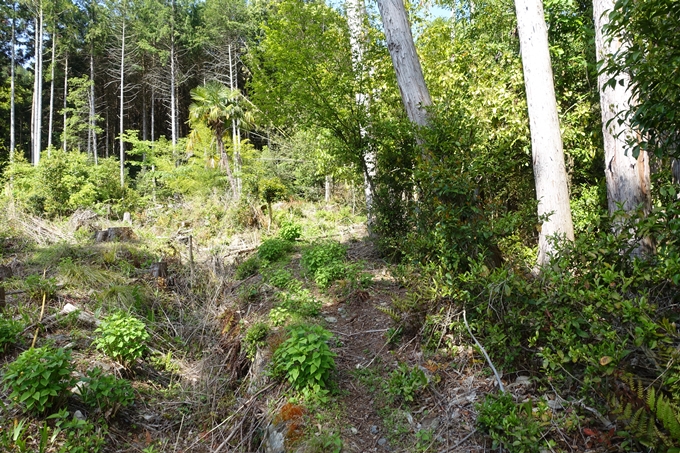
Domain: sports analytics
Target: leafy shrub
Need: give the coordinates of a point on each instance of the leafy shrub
(274, 249)
(301, 302)
(80, 436)
(405, 382)
(9, 330)
(278, 316)
(290, 231)
(280, 278)
(122, 337)
(248, 268)
(511, 426)
(305, 359)
(255, 337)
(325, 262)
(105, 392)
(39, 378)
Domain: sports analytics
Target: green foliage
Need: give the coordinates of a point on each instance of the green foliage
(405, 382)
(305, 360)
(271, 189)
(255, 337)
(248, 268)
(64, 182)
(301, 302)
(122, 337)
(511, 426)
(324, 443)
(651, 418)
(9, 331)
(274, 249)
(290, 231)
(36, 286)
(80, 436)
(39, 378)
(325, 262)
(106, 392)
(282, 279)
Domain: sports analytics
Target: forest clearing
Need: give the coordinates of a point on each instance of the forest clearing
(306, 226)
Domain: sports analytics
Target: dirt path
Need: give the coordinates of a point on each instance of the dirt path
(441, 419)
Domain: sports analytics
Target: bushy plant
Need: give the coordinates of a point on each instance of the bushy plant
(122, 337)
(106, 392)
(255, 337)
(9, 330)
(79, 436)
(274, 249)
(325, 262)
(511, 426)
(405, 382)
(39, 378)
(290, 231)
(301, 302)
(305, 359)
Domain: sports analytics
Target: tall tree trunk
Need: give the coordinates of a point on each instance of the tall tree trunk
(224, 160)
(327, 184)
(51, 118)
(235, 131)
(122, 107)
(414, 92)
(173, 94)
(356, 12)
(546, 142)
(63, 142)
(628, 178)
(93, 112)
(36, 136)
(153, 112)
(12, 125)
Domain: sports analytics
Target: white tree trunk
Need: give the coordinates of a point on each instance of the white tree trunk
(51, 120)
(327, 186)
(63, 143)
(356, 14)
(414, 93)
(12, 139)
(37, 87)
(122, 104)
(93, 112)
(546, 142)
(235, 130)
(173, 102)
(628, 180)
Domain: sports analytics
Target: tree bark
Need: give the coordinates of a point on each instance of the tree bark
(12, 137)
(51, 120)
(93, 110)
(414, 92)
(550, 174)
(224, 159)
(356, 13)
(36, 134)
(122, 108)
(63, 144)
(628, 178)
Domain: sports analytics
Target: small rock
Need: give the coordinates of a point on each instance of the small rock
(331, 319)
(374, 429)
(79, 415)
(354, 430)
(382, 441)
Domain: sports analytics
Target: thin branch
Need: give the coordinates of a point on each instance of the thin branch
(495, 372)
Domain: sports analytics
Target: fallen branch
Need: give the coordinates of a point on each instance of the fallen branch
(495, 372)
(460, 442)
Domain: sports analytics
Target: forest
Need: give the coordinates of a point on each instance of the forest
(307, 226)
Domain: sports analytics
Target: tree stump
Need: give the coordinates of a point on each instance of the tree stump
(115, 234)
(5, 273)
(159, 269)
